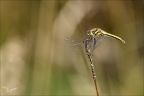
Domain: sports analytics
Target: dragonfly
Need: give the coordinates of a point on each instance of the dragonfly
(91, 40)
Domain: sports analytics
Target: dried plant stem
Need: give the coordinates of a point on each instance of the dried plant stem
(92, 69)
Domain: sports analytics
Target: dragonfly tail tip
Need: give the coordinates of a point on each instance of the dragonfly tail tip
(123, 42)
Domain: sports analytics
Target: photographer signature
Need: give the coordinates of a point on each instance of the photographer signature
(9, 90)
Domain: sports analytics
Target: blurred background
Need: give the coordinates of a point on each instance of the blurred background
(36, 59)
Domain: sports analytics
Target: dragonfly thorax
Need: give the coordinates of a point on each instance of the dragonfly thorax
(95, 31)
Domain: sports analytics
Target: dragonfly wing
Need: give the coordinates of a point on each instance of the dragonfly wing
(97, 41)
(77, 40)
(93, 42)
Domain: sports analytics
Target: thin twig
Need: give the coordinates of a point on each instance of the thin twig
(92, 68)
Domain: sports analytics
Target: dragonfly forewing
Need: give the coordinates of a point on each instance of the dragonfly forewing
(77, 40)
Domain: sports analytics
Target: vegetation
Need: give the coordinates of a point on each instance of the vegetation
(35, 58)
